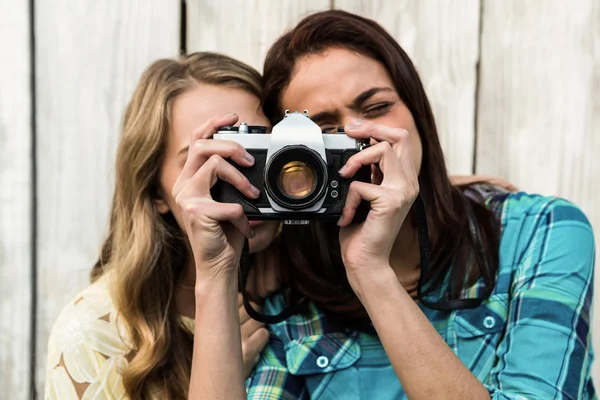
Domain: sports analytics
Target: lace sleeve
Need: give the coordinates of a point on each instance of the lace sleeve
(86, 353)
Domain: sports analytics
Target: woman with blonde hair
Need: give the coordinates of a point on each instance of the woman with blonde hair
(130, 334)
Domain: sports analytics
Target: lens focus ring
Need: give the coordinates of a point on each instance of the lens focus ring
(296, 177)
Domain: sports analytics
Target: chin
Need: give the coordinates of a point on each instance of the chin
(265, 233)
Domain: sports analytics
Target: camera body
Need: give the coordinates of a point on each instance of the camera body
(296, 169)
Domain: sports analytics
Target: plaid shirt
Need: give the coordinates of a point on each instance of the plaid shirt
(529, 340)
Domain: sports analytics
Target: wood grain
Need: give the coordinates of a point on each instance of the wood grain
(441, 38)
(89, 56)
(535, 97)
(243, 29)
(15, 201)
(539, 102)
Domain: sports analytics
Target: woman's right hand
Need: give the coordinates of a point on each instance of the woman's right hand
(215, 230)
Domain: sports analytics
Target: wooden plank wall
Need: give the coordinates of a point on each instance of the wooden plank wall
(538, 104)
(89, 56)
(16, 255)
(515, 87)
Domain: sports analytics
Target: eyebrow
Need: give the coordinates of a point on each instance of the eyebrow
(356, 104)
(367, 94)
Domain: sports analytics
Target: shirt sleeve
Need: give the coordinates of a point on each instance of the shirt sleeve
(546, 352)
(271, 380)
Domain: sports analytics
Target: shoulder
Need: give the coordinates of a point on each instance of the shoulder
(521, 206)
(525, 217)
(86, 337)
(543, 236)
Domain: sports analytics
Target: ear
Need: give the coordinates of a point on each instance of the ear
(161, 206)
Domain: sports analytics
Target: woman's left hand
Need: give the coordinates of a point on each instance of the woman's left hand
(366, 246)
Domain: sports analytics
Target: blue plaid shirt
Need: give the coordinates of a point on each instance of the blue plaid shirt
(529, 340)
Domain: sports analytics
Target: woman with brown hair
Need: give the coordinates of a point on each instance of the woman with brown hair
(499, 307)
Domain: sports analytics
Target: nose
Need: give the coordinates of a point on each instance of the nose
(347, 117)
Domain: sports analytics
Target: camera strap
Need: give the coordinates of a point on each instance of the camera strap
(244, 271)
(482, 261)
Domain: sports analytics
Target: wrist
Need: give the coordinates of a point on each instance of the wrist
(372, 280)
(211, 284)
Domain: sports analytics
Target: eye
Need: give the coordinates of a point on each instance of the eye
(377, 109)
(328, 128)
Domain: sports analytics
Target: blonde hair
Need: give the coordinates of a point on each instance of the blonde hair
(145, 250)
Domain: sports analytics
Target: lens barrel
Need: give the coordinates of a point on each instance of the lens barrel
(296, 177)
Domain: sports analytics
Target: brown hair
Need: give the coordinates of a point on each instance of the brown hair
(314, 268)
(144, 250)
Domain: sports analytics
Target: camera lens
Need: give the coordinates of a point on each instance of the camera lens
(296, 180)
(296, 177)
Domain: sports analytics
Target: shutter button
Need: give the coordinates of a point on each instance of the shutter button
(489, 322)
(322, 362)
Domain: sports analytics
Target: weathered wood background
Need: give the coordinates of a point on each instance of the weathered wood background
(515, 86)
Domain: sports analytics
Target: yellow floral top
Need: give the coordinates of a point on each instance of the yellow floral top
(87, 348)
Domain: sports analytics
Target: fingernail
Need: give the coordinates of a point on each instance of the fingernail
(254, 190)
(339, 223)
(342, 170)
(249, 157)
(355, 123)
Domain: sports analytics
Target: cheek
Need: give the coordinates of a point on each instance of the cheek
(169, 174)
(417, 149)
(401, 118)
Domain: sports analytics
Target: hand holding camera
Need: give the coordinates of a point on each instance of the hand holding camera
(216, 230)
(366, 247)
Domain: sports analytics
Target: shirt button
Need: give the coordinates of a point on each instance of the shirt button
(322, 362)
(489, 322)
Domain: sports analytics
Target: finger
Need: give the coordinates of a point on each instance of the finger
(217, 168)
(397, 137)
(382, 154)
(213, 213)
(384, 201)
(360, 129)
(203, 149)
(244, 317)
(253, 345)
(210, 127)
(357, 192)
(249, 327)
(206, 131)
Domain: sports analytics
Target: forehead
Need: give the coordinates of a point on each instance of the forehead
(321, 81)
(203, 102)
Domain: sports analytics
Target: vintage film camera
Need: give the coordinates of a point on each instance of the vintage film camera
(296, 170)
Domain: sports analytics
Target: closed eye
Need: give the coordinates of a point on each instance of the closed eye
(328, 128)
(377, 109)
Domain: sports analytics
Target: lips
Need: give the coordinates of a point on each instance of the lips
(255, 223)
